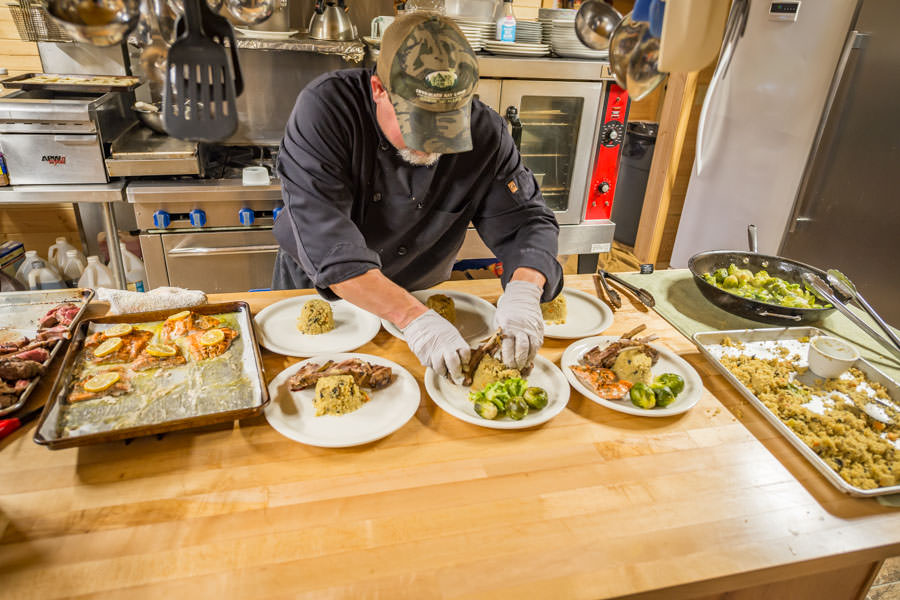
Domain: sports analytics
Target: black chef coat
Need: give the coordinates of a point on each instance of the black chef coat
(352, 204)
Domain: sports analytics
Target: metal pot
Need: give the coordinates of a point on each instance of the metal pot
(789, 270)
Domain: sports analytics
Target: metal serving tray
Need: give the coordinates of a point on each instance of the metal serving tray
(19, 315)
(46, 433)
(127, 84)
(710, 338)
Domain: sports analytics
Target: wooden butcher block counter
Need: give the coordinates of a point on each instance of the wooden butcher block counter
(594, 504)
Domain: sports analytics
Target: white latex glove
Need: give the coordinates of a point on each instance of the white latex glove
(519, 317)
(437, 344)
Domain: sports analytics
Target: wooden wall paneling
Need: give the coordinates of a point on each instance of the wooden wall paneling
(673, 124)
(16, 55)
(38, 225)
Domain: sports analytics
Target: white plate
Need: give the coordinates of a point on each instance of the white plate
(454, 399)
(267, 35)
(669, 362)
(586, 315)
(276, 326)
(474, 315)
(292, 414)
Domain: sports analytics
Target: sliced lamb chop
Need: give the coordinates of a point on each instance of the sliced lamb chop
(54, 333)
(489, 347)
(14, 368)
(13, 388)
(12, 346)
(7, 400)
(36, 354)
(62, 314)
(363, 373)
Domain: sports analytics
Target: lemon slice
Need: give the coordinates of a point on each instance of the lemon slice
(117, 330)
(212, 337)
(108, 347)
(179, 316)
(98, 383)
(161, 350)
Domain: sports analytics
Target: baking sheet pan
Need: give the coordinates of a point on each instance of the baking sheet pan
(127, 84)
(19, 316)
(47, 433)
(710, 338)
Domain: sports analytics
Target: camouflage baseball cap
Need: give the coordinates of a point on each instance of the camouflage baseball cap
(430, 72)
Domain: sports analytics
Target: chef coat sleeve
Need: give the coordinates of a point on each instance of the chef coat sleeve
(315, 227)
(514, 221)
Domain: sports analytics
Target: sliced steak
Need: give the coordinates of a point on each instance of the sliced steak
(15, 388)
(7, 400)
(13, 346)
(54, 333)
(36, 354)
(63, 314)
(15, 368)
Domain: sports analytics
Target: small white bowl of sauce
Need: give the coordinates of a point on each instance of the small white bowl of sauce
(830, 356)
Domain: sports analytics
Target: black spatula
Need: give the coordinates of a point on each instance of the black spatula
(220, 31)
(199, 103)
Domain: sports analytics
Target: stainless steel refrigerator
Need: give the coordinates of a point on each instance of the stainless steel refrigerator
(801, 136)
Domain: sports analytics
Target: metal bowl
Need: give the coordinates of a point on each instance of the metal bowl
(150, 118)
(97, 22)
(789, 270)
(595, 23)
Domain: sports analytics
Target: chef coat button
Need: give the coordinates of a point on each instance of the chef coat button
(401, 250)
(383, 146)
(419, 205)
(376, 197)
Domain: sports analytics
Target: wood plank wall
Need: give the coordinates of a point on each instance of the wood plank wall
(16, 55)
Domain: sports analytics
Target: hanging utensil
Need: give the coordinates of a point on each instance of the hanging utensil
(842, 284)
(97, 22)
(595, 23)
(251, 12)
(641, 294)
(624, 40)
(199, 103)
(821, 289)
(220, 31)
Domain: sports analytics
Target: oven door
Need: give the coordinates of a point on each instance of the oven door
(559, 121)
(220, 261)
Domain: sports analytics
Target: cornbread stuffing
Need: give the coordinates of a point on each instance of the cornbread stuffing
(857, 447)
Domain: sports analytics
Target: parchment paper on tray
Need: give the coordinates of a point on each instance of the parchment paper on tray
(168, 378)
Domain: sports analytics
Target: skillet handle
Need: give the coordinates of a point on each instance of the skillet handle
(751, 239)
(765, 313)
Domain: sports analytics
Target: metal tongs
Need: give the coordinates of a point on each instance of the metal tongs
(824, 291)
(641, 294)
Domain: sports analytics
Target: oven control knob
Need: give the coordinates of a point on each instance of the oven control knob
(246, 216)
(161, 219)
(277, 212)
(198, 217)
(603, 187)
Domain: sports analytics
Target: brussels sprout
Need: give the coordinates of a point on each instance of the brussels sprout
(672, 380)
(744, 275)
(721, 274)
(535, 398)
(486, 409)
(515, 386)
(516, 408)
(730, 282)
(663, 395)
(476, 396)
(642, 396)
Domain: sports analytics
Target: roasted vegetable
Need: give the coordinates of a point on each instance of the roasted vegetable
(674, 381)
(762, 287)
(486, 409)
(535, 398)
(642, 396)
(515, 386)
(516, 408)
(663, 395)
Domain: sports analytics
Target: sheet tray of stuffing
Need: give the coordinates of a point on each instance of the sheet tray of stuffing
(33, 325)
(848, 428)
(149, 373)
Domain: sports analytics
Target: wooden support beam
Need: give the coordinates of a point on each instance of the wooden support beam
(673, 125)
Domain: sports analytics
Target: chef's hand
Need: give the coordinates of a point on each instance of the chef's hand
(519, 317)
(437, 344)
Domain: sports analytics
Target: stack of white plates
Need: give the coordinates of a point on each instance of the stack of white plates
(564, 42)
(546, 17)
(476, 32)
(528, 32)
(516, 48)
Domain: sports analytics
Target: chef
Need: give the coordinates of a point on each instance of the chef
(383, 171)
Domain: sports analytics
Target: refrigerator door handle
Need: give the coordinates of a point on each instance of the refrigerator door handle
(734, 30)
(855, 40)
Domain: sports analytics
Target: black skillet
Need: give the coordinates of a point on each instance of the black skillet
(785, 268)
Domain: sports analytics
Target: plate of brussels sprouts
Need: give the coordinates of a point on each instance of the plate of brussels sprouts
(632, 376)
(509, 403)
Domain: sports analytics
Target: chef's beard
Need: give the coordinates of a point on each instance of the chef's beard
(418, 159)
